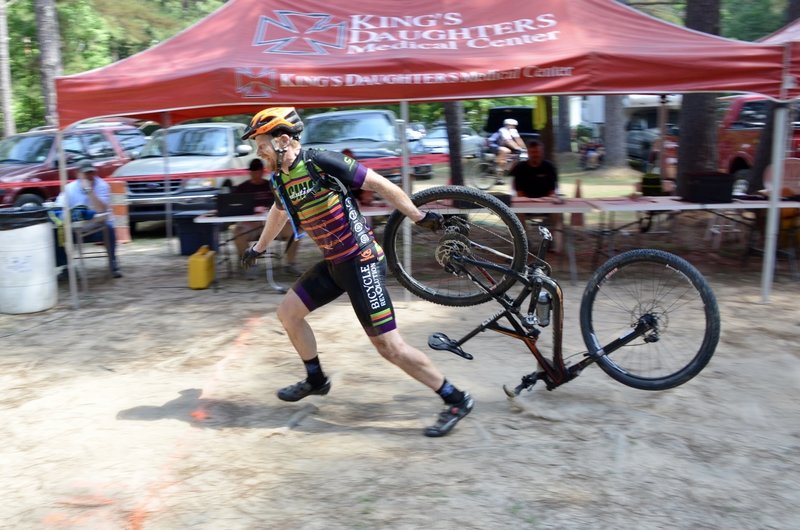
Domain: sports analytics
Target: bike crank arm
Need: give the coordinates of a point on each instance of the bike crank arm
(645, 324)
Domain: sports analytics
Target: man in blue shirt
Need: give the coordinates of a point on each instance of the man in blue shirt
(94, 193)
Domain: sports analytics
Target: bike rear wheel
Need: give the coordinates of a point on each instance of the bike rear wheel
(665, 288)
(477, 225)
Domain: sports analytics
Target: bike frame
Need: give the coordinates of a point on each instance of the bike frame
(534, 279)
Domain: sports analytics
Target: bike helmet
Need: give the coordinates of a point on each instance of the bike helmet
(274, 121)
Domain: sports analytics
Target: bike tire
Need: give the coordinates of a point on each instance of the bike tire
(653, 282)
(476, 224)
(484, 177)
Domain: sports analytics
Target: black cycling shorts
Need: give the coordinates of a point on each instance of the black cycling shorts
(363, 278)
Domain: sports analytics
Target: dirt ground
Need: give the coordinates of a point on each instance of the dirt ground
(153, 407)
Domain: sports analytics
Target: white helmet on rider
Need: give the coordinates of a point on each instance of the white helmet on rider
(510, 121)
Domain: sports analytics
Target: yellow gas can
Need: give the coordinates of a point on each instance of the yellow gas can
(202, 267)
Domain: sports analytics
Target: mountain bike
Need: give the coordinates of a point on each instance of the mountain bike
(648, 318)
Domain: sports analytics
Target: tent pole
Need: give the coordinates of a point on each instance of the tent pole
(407, 189)
(66, 214)
(771, 235)
(662, 128)
(168, 205)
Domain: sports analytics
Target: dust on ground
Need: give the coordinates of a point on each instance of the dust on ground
(153, 407)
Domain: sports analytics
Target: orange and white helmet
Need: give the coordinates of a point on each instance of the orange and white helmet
(274, 121)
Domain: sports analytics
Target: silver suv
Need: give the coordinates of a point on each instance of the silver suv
(192, 148)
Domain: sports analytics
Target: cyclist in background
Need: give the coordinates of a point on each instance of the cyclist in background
(314, 188)
(506, 140)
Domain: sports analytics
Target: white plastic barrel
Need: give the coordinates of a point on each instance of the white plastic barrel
(27, 269)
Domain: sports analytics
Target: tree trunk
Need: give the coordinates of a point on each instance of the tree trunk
(614, 134)
(697, 149)
(9, 126)
(563, 134)
(50, 54)
(793, 10)
(453, 115)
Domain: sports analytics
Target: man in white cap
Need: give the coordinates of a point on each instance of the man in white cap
(505, 141)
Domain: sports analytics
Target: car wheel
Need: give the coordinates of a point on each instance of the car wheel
(28, 199)
(741, 182)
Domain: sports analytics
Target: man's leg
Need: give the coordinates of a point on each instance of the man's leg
(110, 241)
(292, 314)
(500, 161)
(314, 289)
(111, 248)
(412, 361)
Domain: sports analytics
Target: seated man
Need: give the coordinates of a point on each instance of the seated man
(93, 192)
(251, 230)
(537, 178)
(506, 141)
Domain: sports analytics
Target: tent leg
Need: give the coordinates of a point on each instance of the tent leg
(771, 235)
(406, 188)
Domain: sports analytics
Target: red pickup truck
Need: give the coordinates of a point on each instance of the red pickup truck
(742, 120)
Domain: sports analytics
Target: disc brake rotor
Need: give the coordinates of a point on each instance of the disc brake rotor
(450, 245)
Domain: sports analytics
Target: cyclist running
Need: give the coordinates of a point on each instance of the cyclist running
(315, 192)
(504, 141)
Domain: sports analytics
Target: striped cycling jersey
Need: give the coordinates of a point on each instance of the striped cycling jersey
(330, 218)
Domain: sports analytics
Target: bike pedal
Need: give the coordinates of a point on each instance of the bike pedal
(440, 341)
(509, 392)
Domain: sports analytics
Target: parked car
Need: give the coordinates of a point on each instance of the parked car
(415, 130)
(523, 115)
(192, 148)
(642, 131)
(366, 133)
(30, 160)
(436, 141)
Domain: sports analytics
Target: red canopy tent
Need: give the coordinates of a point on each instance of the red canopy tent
(250, 54)
(255, 53)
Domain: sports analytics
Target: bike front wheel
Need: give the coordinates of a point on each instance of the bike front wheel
(477, 226)
(484, 175)
(671, 294)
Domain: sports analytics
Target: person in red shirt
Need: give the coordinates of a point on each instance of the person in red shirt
(248, 231)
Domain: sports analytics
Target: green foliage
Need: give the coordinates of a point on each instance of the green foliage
(751, 19)
(746, 20)
(94, 33)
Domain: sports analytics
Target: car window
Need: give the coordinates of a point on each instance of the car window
(26, 149)
(130, 139)
(98, 146)
(73, 146)
(198, 141)
(437, 133)
(205, 141)
(754, 113)
(376, 127)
